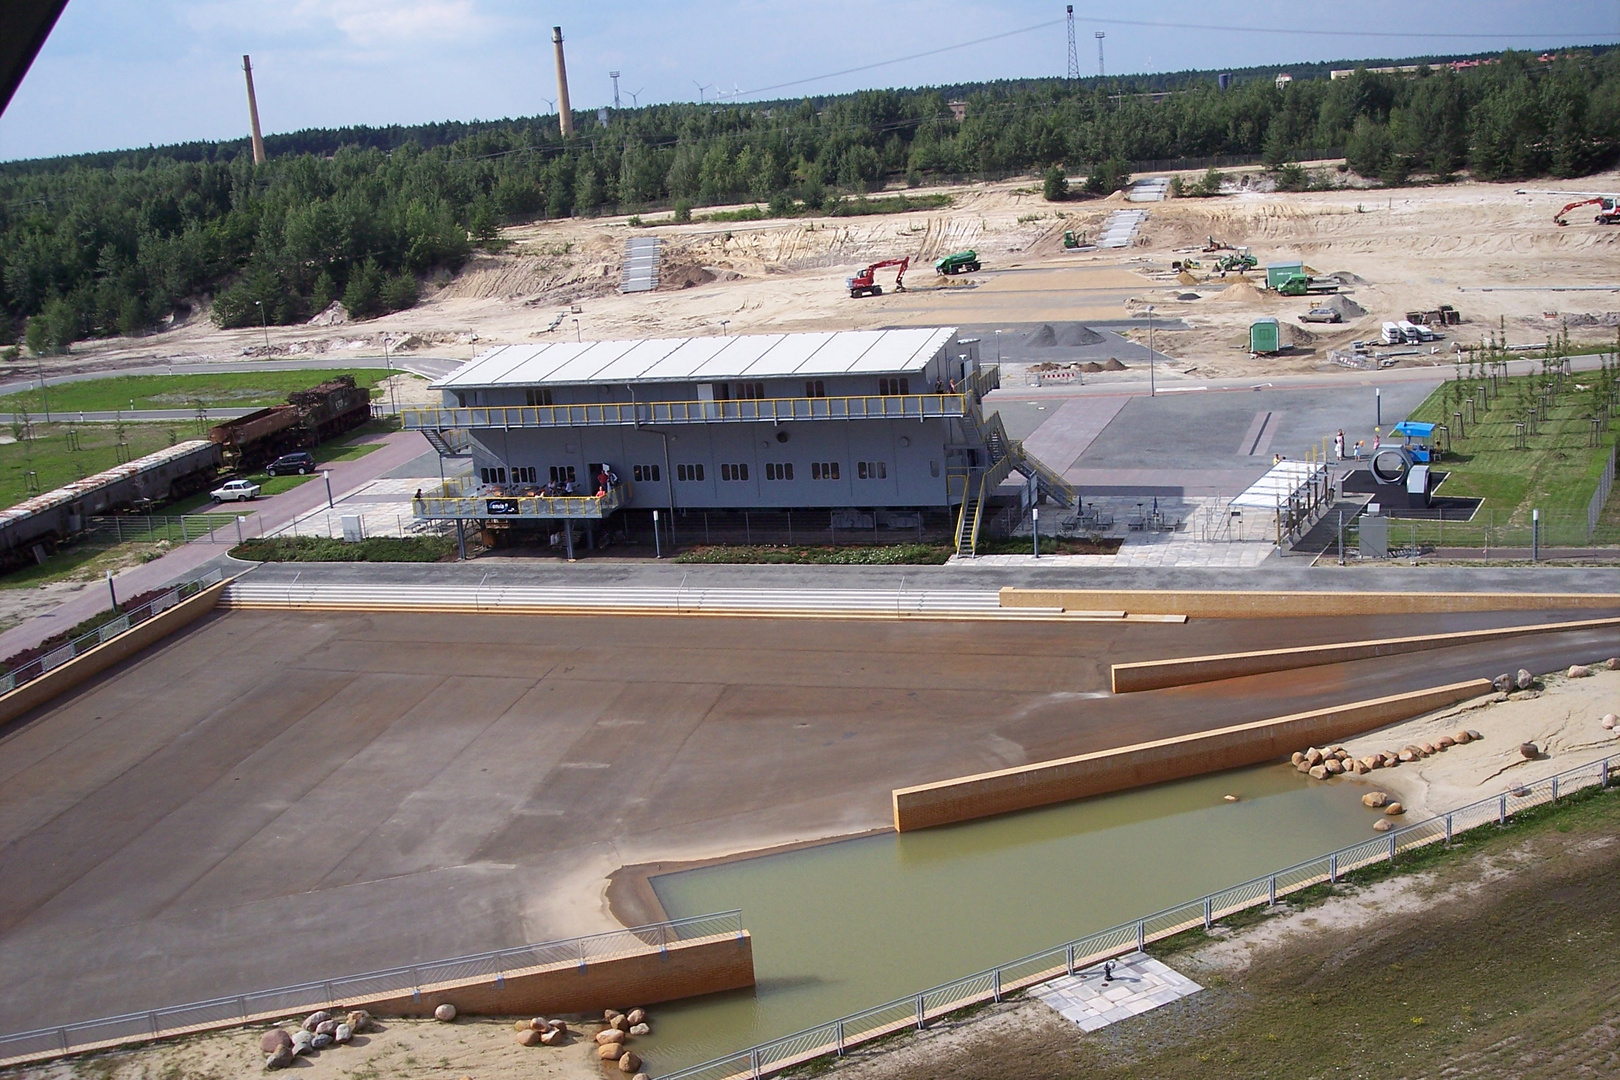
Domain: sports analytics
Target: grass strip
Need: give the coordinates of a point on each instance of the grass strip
(414, 549)
(880, 555)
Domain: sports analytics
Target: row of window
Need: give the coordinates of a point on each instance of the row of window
(693, 473)
(739, 391)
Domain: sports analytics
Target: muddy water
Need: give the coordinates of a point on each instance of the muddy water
(848, 925)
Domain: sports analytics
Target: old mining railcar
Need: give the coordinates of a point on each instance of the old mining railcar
(251, 440)
(308, 419)
(31, 529)
(333, 407)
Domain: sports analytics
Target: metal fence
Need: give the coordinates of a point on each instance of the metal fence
(357, 989)
(1594, 509)
(104, 633)
(175, 528)
(836, 1036)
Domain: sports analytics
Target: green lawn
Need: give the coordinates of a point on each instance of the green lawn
(1556, 473)
(51, 457)
(226, 389)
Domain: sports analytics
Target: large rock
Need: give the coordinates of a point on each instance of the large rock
(1304, 766)
(1578, 671)
(1371, 763)
(315, 1019)
(1383, 824)
(1502, 683)
(1375, 799)
(559, 1025)
(642, 1028)
(326, 1027)
(274, 1039)
(1334, 766)
(1523, 680)
(343, 1034)
(1529, 751)
(321, 1041)
(630, 1062)
(1612, 663)
(1474, 735)
(1408, 755)
(609, 1014)
(1462, 737)
(1445, 742)
(611, 1035)
(280, 1058)
(621, 1022)
(1429, 749)
(301, 1041)
(610, 1051)
(538, 1023)
(528, 1037)
(445, 1013)
(553, 1037)
(359, 1021)
(1394, 809)
(1610, 720)
(1318, 773)
(1314, 756)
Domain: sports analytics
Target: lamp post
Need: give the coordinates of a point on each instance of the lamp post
(998, 346)
(577, 338)
(1035, 528)
(723, 324)
(264, 324)
(1151, 390)
(393, 403)
(328, 478)
(43, 397)
(658, 543)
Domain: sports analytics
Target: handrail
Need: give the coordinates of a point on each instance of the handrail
(463, 503)
(122, 624)
(745, 410)
(914, 1011)
(369, 986)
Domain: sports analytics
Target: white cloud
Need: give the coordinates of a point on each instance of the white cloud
(365, 24)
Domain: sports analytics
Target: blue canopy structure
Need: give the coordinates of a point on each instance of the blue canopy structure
(1412, 429)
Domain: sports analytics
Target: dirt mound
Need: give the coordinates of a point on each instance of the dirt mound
(1186, 279)
(1091, 367)
(1113, 365)
(1075, 335)
(1345, 306)
(334, 315)
(1241, 291)
(1299, 337)
(1345, 277)
(683, 275)
(1043, 337)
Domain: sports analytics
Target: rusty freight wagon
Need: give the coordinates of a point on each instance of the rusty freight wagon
(309, 418)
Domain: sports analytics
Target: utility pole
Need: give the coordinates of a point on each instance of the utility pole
(253, 113)
(1074, 52)
(1099, 35)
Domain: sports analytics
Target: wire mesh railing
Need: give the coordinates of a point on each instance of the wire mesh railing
(112, 628)
(363, 988)
(915, 1011)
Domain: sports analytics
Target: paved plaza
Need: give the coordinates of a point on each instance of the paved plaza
(1139, 984)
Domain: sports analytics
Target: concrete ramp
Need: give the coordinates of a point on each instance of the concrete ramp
(1121, 228)
(641, 258)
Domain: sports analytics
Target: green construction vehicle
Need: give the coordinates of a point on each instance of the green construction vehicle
(1069, 240)
(1239, 261)
(1302, 285)
(962, 262)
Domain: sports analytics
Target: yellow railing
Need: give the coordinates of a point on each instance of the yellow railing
(464, 499)
(751, 410)
(992, 478)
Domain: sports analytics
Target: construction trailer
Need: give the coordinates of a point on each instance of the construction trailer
(1265, 336)
(866, 426)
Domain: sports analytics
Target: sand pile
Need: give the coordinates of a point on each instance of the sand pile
(1113, 365)
(1042, 337)
(1241, 291)
(1075, 335)
(334, 315)
(1345, 306)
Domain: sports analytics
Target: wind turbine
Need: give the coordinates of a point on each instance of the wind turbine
(634, 102)
(702, 87)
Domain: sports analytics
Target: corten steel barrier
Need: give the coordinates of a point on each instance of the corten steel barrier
(915, 1011)
(105, 632)
(306, 997)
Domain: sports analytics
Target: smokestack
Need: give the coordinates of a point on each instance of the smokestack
(253, 113)
(565, 115)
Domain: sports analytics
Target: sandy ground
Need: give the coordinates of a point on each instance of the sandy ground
(484, 1049)
(1411, 248)
(1562, 717)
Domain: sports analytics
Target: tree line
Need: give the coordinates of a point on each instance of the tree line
(115, 244)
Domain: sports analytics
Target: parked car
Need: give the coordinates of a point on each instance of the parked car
(300, 462)
(236, 491)
(1321, 314)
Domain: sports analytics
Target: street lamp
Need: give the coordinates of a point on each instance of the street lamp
(264, 322)
(723, 324)
(577, 338)
(998, 346)
(43, 397)
(1151, 391)
(393, 403)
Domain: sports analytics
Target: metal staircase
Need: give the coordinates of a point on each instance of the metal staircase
(1004, 456)
(449, 442)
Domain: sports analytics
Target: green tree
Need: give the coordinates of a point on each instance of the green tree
(363, 296)
(1055, 188)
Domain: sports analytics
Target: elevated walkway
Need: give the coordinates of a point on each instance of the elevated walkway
(1005, 456)
(467, 500)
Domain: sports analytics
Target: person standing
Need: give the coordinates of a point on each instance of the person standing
(1338, 446)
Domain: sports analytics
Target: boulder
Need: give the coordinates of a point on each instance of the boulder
(1429, 749)
(1304, 766)
(642, 1028)
(273, 1040)
(1394, 809)
(301, 1041)
(315, 1019)
(1503, 683)
(528, 1037)
(445, 1013)
(1445, 742)
(1318, 773)
(621, 1022)
(1612, 663)
(611, 1035)
(558, 1025)
(636, 1016)
(1610, 720)
(1528, 751)
(1373, 762)
(520, 1025)
(1296, 757)
(1523, 680)
(1578, 671)
(610, 1051)
(1408, 755)
(1314, 756)
(539, 1023)
(1391, 759)
(279, 1058)
(360, 1021)
(553, 1037)
(343, 1034)
(1472, 734)
(1333, 766)
(1462, 737)
(327, 1027)
(321, 1041)
(609, 1014)
(630, 1062)
(641, 1076)
(1375, 799)
(1383, 824)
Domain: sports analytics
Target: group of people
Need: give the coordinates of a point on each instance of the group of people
(606, 480)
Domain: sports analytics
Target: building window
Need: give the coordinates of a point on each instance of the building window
(689, 473)
(779, 470)
(647, 473)
(734, 472)
(815, 388)
(872, 470)
(537, 396)
(933, 469)
(495, 475)
(888, 387)
(824, 470)
(749, 391)
(524, 475)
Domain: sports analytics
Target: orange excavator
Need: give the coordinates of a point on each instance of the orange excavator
(1608, 210)
(865, 284)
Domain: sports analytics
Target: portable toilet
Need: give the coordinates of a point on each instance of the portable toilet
(1277, 273)
(1265, 336)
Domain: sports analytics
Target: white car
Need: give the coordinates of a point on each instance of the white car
(236, 490)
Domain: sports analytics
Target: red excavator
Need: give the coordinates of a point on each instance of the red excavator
(1608, 210)
(863, 283)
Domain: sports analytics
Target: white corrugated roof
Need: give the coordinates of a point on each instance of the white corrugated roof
(865, 352)
(1281, 481)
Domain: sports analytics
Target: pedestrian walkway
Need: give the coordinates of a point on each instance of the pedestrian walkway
(1140, 984)
(641, 257)
(1149, 189)
(1121, 228)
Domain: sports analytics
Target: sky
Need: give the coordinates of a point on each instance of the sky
(126, 73)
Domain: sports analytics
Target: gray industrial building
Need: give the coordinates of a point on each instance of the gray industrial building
(875, 422)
